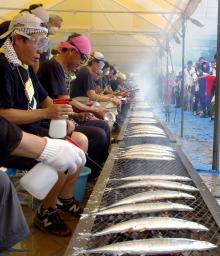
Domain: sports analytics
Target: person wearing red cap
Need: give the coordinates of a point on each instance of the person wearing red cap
(51, 74)
(73, 53)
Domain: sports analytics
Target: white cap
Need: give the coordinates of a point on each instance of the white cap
(98, 56)
(121, 76)
(41, 13)
(27, 23)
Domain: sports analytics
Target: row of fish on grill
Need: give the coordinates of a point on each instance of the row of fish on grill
(168, 187)
(146, 129)
(147, 152)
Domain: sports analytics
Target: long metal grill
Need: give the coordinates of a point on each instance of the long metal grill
(118, 167)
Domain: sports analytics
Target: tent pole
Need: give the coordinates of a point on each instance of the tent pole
(167, 111)
(215, 156)
(182, 80)
(171, 61)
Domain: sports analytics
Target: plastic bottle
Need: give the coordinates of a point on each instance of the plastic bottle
(109, 117)
(39, 180)
(42, 177)
(58, 127)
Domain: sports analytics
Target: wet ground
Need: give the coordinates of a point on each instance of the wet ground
(197, 142)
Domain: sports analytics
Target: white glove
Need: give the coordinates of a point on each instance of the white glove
(62, 155)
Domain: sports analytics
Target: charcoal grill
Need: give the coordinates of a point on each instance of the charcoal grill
(206, 210)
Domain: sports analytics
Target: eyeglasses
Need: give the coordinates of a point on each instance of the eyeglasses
(84, 57)
(101, 63)
(40, 42)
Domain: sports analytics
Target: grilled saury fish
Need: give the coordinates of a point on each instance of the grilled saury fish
(151, 223)
(154, 177)
(152, 196)
(155, 246)
(144, 208)
(158, 183)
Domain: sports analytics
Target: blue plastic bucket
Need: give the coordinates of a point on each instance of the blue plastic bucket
(10, 171)
(80, 187)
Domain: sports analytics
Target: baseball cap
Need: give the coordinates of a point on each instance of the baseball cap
(121, 76)
(25, 23)
(97, 56)
(81, 43)
(41, 13)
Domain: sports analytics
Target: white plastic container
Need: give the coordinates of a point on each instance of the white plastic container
(110, 118)
(39, 180)
(58, 128)
(96, 104)
(112, 107)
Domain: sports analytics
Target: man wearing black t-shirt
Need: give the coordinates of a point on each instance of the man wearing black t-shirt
(52, 76)
(24, 102)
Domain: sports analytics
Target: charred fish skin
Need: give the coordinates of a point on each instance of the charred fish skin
(152, 196)
(155, 246)
(152, 223)
(158, 183)
(144, 208)
(154, 177)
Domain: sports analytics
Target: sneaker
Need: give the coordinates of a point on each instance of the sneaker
(70, 206)
(49, 221)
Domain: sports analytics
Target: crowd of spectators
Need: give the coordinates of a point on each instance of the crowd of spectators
(199, 88)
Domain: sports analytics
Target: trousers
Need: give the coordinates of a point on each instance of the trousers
(13, 226)
(98, 134)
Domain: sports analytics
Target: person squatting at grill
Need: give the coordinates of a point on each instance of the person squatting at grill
(13, 226)
(23, 101)
(73, 53)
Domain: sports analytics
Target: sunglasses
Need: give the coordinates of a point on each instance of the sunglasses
(102, 64)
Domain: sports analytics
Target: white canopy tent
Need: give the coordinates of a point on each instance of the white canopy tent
(127, 32)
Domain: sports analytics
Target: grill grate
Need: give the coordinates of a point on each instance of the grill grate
(125, 167)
